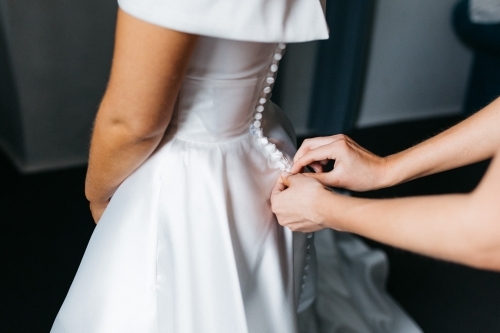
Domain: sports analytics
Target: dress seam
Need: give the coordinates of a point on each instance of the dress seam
(215, 80)
(161, 221)
(215, 143)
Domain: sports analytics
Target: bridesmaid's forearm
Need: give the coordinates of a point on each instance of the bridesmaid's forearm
(474, 139)
(445, 227)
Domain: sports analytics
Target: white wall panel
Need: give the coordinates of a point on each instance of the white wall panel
(417, 67)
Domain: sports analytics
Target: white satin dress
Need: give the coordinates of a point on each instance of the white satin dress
(188, 243)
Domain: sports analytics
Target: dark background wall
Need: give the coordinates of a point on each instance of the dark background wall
(10, 117)
(59, 54)
(415, 66)
(54, 64)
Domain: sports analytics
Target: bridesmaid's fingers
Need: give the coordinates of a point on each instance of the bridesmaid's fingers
(303, 226)
(325, 178)
(319, 154)
(317, 166)
(279, 186)
(310, 144)
(284, 179)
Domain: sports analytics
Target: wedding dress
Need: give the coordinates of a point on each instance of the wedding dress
(188, 243)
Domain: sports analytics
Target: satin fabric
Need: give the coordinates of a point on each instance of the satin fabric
(189, 244)
(248, 20)
(351, 294)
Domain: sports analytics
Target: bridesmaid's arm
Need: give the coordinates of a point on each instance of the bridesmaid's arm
(463, 228)
(472, 140)
(149, 63)
(475, 139)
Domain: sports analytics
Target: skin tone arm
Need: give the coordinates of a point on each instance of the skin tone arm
(148, 66)
(474, 139)
(461, 228)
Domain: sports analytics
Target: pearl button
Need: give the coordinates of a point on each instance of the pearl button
(303, 286)
(306, 267)
(308, 246)
(270, 147)
(308, 257)
(309, 235)
(276, 158)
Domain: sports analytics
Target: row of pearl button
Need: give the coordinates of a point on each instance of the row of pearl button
(307, 262)
(276, 155)
(256, 128)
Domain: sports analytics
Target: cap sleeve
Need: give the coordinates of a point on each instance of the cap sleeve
(248, 20)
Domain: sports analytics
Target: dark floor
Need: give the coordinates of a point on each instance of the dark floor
(441, 297)
(46, 226)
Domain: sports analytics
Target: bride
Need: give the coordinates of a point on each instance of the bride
(185, 151)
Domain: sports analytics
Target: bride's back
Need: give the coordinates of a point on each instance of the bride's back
(221, 89)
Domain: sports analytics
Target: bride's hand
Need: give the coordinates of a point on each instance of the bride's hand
(97, 209)
(294, 201)
(355, 168)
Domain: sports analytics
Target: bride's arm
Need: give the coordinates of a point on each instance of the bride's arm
(472, 140)
(464, 228)
(149, 63)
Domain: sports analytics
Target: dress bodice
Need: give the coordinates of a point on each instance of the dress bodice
(225, 94)
(223, 59)
(221, 88)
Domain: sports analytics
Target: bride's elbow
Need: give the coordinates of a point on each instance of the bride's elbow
(130, 123)
(131, 130)
(144, 130)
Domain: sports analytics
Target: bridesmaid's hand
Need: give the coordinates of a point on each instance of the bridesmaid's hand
(295, 200)
(97, 209)
(355, 168)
